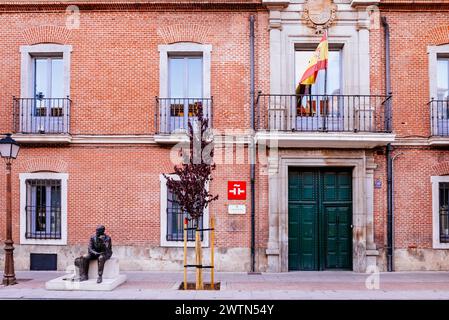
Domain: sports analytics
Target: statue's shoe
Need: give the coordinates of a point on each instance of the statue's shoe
(100, 279)
(83, 278)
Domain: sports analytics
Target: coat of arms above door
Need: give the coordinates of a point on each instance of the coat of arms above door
(320, 14)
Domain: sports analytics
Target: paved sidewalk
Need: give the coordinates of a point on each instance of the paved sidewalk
(293, 285)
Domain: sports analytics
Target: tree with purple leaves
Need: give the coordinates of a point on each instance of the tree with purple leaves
(190, 187)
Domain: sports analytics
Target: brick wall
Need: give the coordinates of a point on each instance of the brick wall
(114, 79)
(411, 31)
(120, 187)
(115, 64)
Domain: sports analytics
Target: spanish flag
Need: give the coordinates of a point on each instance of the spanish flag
(317, 62)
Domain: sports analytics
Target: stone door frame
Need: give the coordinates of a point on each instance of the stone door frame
(364, 251)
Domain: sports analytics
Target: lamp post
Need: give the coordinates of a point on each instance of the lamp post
(9, 149)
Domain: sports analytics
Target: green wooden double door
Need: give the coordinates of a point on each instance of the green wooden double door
(319, 218)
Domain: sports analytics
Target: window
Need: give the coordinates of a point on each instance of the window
(439, 71)
(43, 208)
(172, 221)
(45, 68)
(440, 209)
(444, 211)
(175, 221)
(333, 72)
(443, 78)
(184, 84)
(315, 105)
(48, 84)
(43, 105)
(186, 76)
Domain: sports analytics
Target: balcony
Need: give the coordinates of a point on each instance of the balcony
(173, 115)
(439, 122)
(325, 121)
(41, 120)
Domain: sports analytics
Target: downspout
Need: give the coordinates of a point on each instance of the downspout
(252, 146)
(390, 173)
(387, 75)
(387, 57)
(389, 208)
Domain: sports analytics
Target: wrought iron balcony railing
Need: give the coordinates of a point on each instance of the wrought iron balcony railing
(324, 113)
(41, 115)
(439, 117)
(173, 114)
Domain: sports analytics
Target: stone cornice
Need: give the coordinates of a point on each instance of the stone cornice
(276, 4)
(364, 3)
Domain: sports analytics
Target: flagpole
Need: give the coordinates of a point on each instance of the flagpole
(325, 106)
(325, 70)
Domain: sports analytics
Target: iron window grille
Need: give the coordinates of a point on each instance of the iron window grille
(43, 209)
(444, 212)
(175, 221)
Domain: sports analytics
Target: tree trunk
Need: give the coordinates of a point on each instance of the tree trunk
(199, 270)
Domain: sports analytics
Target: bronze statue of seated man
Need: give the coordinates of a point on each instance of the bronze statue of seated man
(100, 248)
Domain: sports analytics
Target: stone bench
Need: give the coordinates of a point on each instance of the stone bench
(111, 278)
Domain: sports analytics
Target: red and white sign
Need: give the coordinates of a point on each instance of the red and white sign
(236, 190)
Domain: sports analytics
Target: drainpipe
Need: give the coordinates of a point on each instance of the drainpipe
(387, 72)
(390, 195)
(389, 209)
(252, 147)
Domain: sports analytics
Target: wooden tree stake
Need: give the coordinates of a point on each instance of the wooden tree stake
(185, 254)
(212, 240)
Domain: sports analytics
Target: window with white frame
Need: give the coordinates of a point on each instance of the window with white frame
(43, 215)
(45, 71)
(440, 211)
(439, 71)
(43, 105)
(172, 220)
(184, 84)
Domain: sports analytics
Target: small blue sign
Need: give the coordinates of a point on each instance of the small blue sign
(377, 184)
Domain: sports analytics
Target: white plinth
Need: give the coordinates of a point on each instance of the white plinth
(111, 278)
(111, 269)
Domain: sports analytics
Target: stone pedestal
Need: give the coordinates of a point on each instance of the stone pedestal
(111, 278)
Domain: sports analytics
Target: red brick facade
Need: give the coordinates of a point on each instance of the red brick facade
(114, 80)
(412, 30)
(115, 77)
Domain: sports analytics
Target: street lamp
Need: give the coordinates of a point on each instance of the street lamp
(9, 148)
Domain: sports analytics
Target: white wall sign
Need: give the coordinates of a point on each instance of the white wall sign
(237, 209)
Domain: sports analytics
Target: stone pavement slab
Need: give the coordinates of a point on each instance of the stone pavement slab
(241, 286)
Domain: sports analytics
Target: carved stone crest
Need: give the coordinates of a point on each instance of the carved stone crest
(320, 13)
